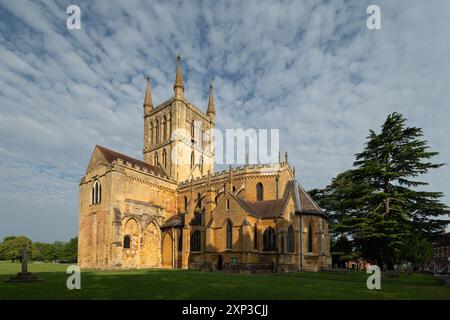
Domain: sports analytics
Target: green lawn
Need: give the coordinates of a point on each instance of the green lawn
(187, 284)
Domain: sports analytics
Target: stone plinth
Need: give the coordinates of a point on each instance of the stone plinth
(24, 276)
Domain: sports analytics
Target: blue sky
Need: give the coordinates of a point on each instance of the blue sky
(310, 68)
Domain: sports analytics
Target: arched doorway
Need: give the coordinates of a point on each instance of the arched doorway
(219, 263)
(167, 256)
(151, 247)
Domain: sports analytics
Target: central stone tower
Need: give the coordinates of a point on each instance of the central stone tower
(178, 137)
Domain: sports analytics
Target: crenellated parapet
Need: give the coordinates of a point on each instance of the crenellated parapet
(238, 173)
(144, 175)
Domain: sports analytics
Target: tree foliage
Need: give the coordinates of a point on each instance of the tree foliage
(11, 249)
(380, 203)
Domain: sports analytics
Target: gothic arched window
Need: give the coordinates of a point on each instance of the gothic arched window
(259, 192)
(96, 195)
(196, 241)
(310, 238)
(164, 159)
(157, 132)
(229, 240)
(180, 240)
(192, 130)
(127, 242)
(169, 120)
(151, 134)
(185, 203)
(290, 239)
(255, 237)
(202, 139)
(192, 159)
(199, 200)
(269, 239)
(156, 161)
(164, 128)
(201, 164)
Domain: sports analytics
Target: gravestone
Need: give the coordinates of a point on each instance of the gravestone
(24, 275)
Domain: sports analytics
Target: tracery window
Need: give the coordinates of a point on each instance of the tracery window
(290, 239)
(196, 241)
(269, 239)
(310, 238)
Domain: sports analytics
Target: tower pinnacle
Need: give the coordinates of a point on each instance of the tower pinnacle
(211, 112)
(148, 103)
(178, 86)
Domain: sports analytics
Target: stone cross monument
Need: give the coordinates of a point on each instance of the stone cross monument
(24, 275)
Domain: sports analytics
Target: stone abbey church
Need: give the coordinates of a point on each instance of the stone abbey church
(172, 210)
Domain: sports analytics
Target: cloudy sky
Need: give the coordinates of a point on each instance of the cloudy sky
(310, 68)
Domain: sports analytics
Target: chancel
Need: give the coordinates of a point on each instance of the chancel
(172, 210)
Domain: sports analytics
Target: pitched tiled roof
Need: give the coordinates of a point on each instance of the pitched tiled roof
(274, 208)
(263, 209)
(111, 156)
(303, 202)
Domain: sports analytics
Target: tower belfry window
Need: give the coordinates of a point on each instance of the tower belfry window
(164, 159)
(151, 133)
(201, 164)
(157, 132)
(164, 128)
(193, 131)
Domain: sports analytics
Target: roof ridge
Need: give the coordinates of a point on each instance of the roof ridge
(112, 155)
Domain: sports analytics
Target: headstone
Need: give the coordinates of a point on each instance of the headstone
(24, 275)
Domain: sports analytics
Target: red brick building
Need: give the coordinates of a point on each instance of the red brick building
(441, 255)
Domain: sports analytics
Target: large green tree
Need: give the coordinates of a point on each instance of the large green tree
(338, 200)
(11, 247)
(380, 203)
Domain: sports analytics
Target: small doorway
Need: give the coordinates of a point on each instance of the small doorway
(219, 263)
(167, 254)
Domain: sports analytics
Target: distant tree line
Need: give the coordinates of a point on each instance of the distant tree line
(64, 252)
(379, 210)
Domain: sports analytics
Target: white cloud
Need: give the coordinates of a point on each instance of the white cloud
(310, 68)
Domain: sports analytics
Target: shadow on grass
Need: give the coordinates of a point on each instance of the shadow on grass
(190, 284)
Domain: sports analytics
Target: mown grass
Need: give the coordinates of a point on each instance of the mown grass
(189, 284)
